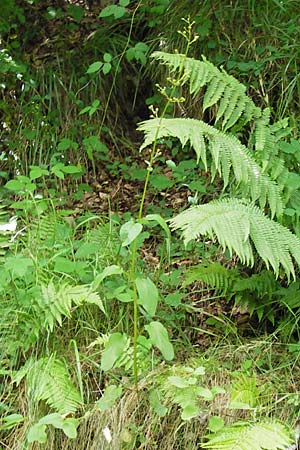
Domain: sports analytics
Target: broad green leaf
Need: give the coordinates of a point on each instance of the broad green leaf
(142, 47)
(161, 221)
(85, 110)
(215, 424)
(70, 427)
(107, 57)
(10, 421)
(155, 403)
(111, 394)
(129, 232)
(107, 272)
(174, 299)
(113, 10)
(18, 265)
(119, 12)
(64, 265)
(72, 169)
(55, 419)
(205, 393)
(37, 172)
(96, 103)
(66, 144)
(124, 2)
(148, 294)
(76, 11)
(125, 297)
(160, 338)
(14, 185)
(181, 382)
(113, 350)
(190, 411)
(95, 67)
(108, 11)
(85, 250)
(57, 171)
(106, 68)
(37, 433)
(161, 182)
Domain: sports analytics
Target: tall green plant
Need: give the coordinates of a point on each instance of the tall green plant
(234, 221)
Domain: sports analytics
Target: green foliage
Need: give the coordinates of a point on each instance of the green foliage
(109, 397)
(234, 223)
(227, 154)
(244, 392)
(213, 274)
(114, 348)
(56, 303)
(183, 386)
(244, 436)
(148, 295)
(37, 432)
(160, 339)
(116, 360)
(48, 379)
(221, 88)
(65, 281)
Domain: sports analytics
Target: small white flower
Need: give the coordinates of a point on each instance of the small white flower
(107, 434)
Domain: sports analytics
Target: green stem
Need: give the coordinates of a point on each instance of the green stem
(140, 215)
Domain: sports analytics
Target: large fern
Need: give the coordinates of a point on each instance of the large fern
(228, 95)
(244, 436)
(221, 88)
(48, 379)
(227, 154)
(235, 223)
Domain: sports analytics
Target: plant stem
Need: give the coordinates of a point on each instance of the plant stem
(170, 99)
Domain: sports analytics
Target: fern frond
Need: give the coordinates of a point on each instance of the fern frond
(263, 284)
(262, 131)
(228, 155)
(244, 392)
(48, 379)
(241, 436)
(235, 223)
(101, 241)
(214, 275)
(234, 104)
(56, 302)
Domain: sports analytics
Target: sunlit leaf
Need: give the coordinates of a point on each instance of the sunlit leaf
(148, 294)
(113, 350)
(160, 338)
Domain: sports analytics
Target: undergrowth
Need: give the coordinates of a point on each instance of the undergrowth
(114, 333)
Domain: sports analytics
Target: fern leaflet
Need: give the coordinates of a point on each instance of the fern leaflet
(221, 87)
(57, 302)
(241, 436)
(48, 379)
(234, 223)
(214, 275)
(228, 155)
